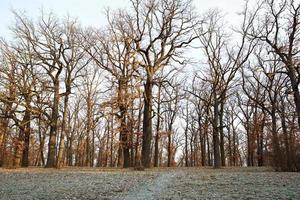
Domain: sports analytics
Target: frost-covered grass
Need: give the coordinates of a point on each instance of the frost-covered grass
(174, 183)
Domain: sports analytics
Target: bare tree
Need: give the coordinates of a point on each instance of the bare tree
(162, 30)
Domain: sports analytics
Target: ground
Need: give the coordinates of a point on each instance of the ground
(162, 183)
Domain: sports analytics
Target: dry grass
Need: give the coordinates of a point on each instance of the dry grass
(161, 183)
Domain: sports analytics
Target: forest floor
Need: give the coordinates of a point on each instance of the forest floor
(162, 183)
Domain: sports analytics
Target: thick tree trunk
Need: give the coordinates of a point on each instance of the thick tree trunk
(60, 157)
(124, 141)
(295, 88)
(260, 141)
(124, 154)
(147, 124)
(19, 143)
(51, 158)
(137, 159)
(275, 142)
(3, 134)
(288, 163)
(88, 132)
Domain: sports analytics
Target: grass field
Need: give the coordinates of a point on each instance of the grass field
(162, 183)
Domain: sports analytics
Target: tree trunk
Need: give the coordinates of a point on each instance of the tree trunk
(3, 134)
(111, 141)
(169, 147)
(147, 124)
(19, 143)
(202, 141)
(60, 159)
(53, 127)
(216, 141)
(137, 159)
(88, 131)
(295, 88)
(156, 146)
(234, 158)
(221, 129)
(27, 131)
(275, 142)
(186, 139)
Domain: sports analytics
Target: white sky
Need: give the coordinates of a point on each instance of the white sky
(90, 12)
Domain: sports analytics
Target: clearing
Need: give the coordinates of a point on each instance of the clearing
(162, 183)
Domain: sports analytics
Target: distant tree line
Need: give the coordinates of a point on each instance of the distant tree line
(132, 94)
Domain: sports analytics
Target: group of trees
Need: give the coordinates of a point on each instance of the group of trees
(118, 96)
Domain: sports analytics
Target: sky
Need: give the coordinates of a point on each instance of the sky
(90, 12)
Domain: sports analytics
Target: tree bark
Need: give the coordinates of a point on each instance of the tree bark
(156, 146)
(51, 158)
(60, 159)
(216, 140)
(147, 124)
(27, 130)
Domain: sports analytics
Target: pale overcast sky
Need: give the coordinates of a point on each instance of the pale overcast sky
(90, 12)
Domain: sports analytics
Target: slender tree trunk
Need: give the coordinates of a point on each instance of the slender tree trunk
(27, 131)
(107, 144)
(221, 129)
(186, 138)
(169, 147)
(132, 136)
(208, 149)
(216, 140)
(234, 158)
(202, 141)
(112, 141)
(261, 145)
(156, 150)
(229, 143)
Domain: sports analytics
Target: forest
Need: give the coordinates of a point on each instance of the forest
(158, 85)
